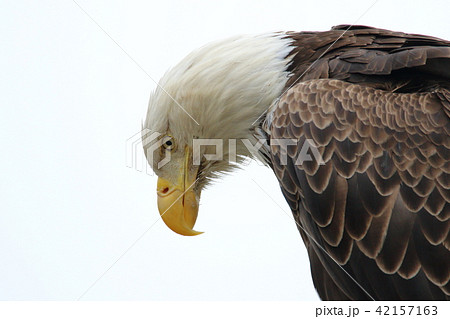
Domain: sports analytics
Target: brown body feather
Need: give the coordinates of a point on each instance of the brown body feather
(376, 103)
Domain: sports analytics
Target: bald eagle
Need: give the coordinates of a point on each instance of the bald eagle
(373, 106)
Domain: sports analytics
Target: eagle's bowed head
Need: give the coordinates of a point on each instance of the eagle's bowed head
(370, 194)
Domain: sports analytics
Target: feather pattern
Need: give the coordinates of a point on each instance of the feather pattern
(376, 104)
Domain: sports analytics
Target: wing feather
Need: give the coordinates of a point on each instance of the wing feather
(380, 200)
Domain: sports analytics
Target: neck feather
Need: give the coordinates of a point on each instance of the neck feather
(225, 87)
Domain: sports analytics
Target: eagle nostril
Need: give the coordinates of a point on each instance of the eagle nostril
(165, 190)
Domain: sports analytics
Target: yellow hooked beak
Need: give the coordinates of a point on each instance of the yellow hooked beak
(178, 203)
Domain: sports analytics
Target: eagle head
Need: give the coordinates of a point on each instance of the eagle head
(213, 99)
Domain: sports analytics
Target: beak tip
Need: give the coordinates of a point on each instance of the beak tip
(186, 231)
(193, 233)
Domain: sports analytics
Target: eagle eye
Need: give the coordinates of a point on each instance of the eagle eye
(168, 143)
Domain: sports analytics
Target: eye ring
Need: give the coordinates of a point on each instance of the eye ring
(168, 142)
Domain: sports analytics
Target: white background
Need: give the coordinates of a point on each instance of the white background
(69, 205)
